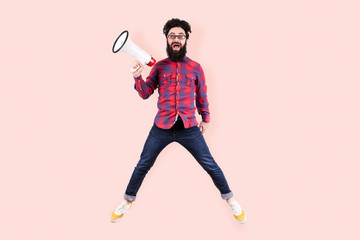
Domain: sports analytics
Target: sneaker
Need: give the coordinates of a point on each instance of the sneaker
(238, 212)
(120, 211)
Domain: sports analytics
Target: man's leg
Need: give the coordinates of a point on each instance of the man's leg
(155, 143)
(193, 140)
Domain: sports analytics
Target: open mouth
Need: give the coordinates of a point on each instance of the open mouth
(176, 46)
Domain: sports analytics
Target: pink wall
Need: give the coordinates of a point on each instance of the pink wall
(283, 86)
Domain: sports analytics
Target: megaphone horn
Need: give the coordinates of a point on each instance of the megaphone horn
(123, 43)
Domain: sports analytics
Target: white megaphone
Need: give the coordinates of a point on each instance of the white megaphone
(124, 44)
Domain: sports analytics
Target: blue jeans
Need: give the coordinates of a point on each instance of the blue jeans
(193, 140)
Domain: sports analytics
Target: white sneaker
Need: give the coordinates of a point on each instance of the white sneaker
(238, 212)
(120, 211)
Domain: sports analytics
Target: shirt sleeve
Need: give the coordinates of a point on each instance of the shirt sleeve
(146, 88)
(202, 103)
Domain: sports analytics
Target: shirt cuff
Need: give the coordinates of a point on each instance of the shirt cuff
(137, 78)
(206, 118)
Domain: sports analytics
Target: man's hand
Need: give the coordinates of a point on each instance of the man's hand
(140, 67)
(203, 126)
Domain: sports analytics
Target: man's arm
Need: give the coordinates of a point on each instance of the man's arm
(144, 88)
(202, 103)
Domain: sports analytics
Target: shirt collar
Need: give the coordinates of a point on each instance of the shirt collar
(185, 59)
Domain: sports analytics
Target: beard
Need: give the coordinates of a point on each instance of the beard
(176, 55)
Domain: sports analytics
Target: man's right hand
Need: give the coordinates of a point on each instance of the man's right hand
(140, 67)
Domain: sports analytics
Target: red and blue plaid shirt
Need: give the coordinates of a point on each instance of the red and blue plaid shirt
(180, 85)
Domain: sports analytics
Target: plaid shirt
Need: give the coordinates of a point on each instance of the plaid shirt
(179, 84)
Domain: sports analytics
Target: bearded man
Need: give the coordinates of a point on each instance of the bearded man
(182, 90)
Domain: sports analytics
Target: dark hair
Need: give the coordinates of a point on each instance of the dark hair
(175, 22)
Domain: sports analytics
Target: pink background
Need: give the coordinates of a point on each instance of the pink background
(283, 86)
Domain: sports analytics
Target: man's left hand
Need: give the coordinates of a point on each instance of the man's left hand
(203, 126)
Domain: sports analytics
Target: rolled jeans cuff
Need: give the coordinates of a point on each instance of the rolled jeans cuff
(129, 198)
(227, 196)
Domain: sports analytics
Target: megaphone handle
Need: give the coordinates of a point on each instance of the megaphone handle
(134, 69)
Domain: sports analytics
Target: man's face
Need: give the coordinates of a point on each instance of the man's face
(176, 43)
(179, 40)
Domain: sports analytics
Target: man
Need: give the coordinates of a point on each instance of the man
(181, 83)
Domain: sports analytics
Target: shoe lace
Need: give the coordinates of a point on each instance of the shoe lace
(122, 208)
(236, 209)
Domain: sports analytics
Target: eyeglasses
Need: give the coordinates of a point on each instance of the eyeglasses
(173, 36)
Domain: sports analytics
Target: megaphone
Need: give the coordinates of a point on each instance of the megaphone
(123, 43)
